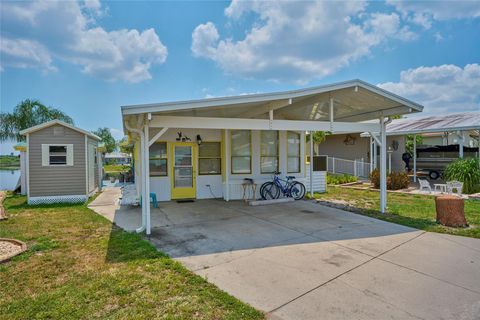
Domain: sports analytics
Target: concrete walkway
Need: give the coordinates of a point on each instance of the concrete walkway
(305, 261)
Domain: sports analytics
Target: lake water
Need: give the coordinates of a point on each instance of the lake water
(8, 179)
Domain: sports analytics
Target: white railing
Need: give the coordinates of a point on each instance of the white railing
(357, 168)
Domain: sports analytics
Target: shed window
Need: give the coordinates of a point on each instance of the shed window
(293, 152)
(209, 158)
(241, 145)
(57, 154)
(158, 159)
(269, 152)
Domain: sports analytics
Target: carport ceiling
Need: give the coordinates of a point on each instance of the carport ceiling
(352, 101)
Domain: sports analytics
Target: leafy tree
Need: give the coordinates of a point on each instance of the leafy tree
(107, 139)
(409, 143)
(125, 146)
(318, 136)
(27, 113)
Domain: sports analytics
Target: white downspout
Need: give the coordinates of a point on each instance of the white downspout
(142, 184)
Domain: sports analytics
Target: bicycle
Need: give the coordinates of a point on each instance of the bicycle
(289, 188)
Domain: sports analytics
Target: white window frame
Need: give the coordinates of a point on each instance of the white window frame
(262, 155)
(299, 156)
(232, 156)
(46, 154)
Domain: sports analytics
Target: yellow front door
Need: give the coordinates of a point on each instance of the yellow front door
(183, 170)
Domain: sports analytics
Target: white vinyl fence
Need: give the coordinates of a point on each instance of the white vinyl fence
(357, 168)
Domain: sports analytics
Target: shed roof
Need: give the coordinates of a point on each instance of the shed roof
(58, 122)
(354, 101)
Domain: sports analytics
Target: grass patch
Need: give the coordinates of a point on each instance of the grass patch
(79, 266)
(117, 168)
(417, 211)
(8, 162)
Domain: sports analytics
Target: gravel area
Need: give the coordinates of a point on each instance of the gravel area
(10, 248)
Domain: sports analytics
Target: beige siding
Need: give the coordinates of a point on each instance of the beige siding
(61, 180)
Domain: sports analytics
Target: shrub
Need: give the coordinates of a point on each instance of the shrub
(395, 180)
(340, 178)
(466, 171)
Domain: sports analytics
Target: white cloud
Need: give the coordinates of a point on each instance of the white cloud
(296, 41)
(423, 12)
(37, 33)
(441, 89)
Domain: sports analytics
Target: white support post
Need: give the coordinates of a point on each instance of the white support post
(383, 164)
(311, 164)
(375, 154)
(146, 198)
(371, 153)
(333, 164)
(414, 158)
(461, 141)
(355, 167)
(389, 162)
(227, 164)
(331, 115)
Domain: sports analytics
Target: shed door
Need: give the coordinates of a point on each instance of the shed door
(91, 168)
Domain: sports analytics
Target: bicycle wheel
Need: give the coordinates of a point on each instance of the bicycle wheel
(297, 190)
(270, 191)
(262, 187)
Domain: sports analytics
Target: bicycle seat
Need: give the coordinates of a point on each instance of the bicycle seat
(290, 177)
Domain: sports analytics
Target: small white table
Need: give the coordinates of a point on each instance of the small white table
(440, 187)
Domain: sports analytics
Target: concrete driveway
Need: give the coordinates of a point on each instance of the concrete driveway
(305, 261)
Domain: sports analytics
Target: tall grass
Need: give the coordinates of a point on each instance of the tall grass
(466, 171)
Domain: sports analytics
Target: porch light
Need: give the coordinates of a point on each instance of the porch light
(199, 139)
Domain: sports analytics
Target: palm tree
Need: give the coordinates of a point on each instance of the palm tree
(26, 114)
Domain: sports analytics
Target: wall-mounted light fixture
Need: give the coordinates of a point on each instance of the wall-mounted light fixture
(199, 139)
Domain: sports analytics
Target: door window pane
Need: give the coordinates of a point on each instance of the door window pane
(183, 156)
(241, 151)
(269, 152)
(183, 177)
(293, 151)
(158, 159)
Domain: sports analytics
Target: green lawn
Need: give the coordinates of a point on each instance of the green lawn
(79, 266)
(416, 211)
(9, 162)
(111, 168)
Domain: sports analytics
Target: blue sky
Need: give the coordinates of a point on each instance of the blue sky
(88, 58)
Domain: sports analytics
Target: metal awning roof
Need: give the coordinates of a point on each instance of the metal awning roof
(353, 101)
(452, 122)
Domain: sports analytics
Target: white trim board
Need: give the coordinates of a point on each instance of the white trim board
(259, 124)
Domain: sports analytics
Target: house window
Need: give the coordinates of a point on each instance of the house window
(209, 158)
(269, 152)
(241, 147)
(158, 159)
(57, 155)
(293, 152)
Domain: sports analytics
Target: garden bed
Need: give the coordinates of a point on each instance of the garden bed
(10, 248)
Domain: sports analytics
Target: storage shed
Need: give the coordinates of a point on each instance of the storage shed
(61, 163)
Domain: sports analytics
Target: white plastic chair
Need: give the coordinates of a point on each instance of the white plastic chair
(454, 185)
(424, 184)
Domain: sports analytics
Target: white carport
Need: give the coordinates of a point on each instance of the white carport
(347, 107)
(459, 124)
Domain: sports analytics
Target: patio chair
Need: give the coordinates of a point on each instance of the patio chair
(424, 184)
(454, 185)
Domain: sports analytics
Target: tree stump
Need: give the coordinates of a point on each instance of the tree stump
(450, 211)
